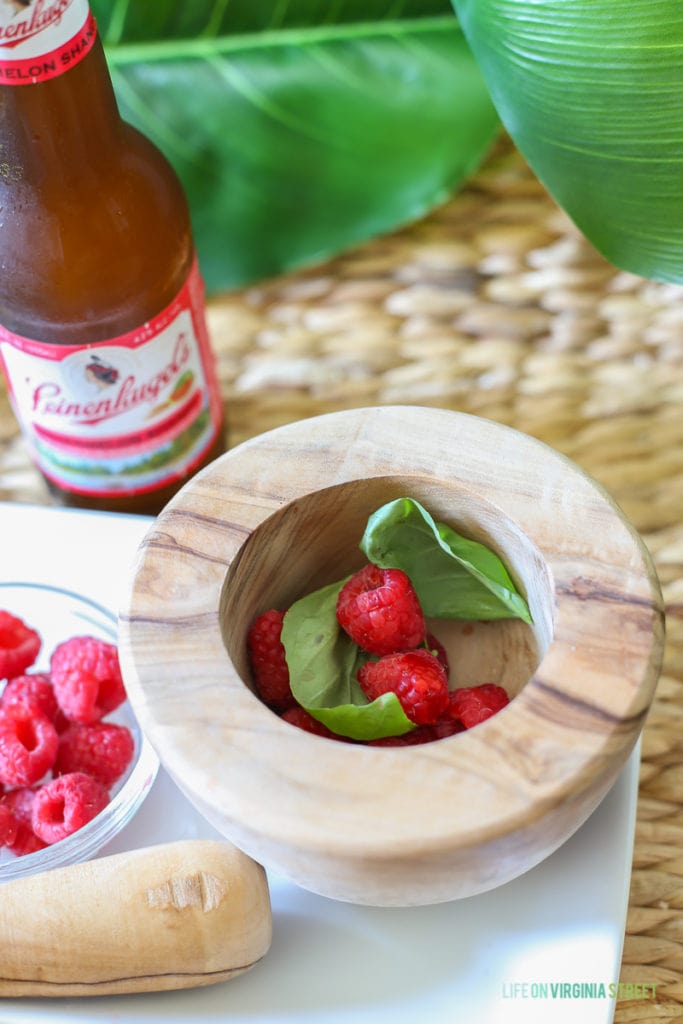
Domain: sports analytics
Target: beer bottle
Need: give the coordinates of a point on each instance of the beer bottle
(103, 336)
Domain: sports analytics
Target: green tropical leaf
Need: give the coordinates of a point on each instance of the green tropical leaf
(591, 91)
(300, 127)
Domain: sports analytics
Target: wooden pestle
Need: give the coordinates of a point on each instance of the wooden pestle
(171, 916)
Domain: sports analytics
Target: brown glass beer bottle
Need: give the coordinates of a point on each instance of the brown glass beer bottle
(103, 336)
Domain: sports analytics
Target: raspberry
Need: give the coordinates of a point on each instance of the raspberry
(423, 734)
(33, 689)
(28, 745)
(8, 826)
(474, 704)
(442, 728)
(304, 720)
(66, 804)
(103, 750)
(86, 677)
(268, 663)
(20, 803)
(446, 726)
(380, 611)
(19, 645)
(416, 677)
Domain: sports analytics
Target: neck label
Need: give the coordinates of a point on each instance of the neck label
(41, 39)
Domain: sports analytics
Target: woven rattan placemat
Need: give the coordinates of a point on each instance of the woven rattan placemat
(496, 305)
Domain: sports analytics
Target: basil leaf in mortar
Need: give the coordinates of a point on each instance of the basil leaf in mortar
(454, 578)
(323, 661)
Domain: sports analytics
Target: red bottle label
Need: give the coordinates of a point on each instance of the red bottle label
(124, 416)
(41, 39)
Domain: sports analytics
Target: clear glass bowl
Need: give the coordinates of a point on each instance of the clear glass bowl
(57, 614)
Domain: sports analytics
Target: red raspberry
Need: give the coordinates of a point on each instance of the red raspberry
(20, 803)
(8, 826)
(423, 734)
(103, 750)
(33, 689)
(65, 804)
(28, 745)
(268, 663)
(442, 728)
(474, 704)
(380, 611)
(416, 677)
(19, 645)
(446, 726)
(304, 720)
(86, 677)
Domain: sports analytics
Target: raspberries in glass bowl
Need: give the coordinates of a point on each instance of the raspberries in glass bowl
(74, 765)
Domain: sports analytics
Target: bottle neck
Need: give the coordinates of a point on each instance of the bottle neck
(64, 127)
(95, 235)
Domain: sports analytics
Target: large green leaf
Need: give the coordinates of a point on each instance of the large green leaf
(592, 93)
(300, 128)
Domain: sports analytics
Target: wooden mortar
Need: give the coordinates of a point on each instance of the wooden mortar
(283, 514)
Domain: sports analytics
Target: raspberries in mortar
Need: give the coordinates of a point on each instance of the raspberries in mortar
(300, 717)
(268, 662)
(380, 611)
(474, 704)
(416, 677)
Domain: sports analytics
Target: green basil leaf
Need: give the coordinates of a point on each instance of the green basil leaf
(383, 717)
(454, 578)
(323, 661)
(302, 127)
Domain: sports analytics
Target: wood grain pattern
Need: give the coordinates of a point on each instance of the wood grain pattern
(283, 513)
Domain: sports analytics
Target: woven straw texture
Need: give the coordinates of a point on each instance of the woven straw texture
(496, 305)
